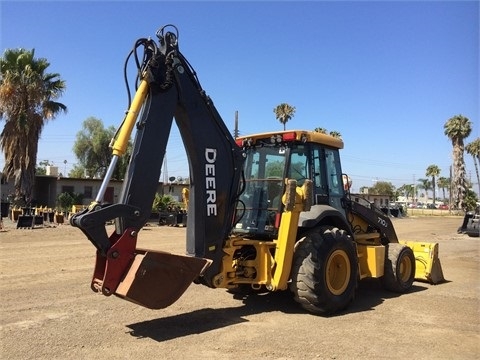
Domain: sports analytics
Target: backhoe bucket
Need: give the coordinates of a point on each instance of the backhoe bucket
(157, 279)
(427, 263)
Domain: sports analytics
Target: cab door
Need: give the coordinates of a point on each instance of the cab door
(334, 179)
(327, 177)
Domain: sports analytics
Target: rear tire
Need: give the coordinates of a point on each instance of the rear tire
(324, 271)
(399, 270)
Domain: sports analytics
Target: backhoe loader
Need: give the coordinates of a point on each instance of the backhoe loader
(266, 212)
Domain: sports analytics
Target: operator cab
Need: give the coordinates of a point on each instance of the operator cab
(273, 157)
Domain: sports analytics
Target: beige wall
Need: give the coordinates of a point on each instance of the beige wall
(47, 189)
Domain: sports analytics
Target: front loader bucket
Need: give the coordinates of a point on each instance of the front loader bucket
(157, 279)
(427, 263)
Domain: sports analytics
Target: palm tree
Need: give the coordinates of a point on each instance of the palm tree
(407, 190)
(336, 134)
(474, 149)
(426, 185)
(443, 183)
(457, 128)
(320, 130)
(27, 102)
(284, 113)
(433, 171)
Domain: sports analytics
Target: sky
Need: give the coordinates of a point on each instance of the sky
(387, 75)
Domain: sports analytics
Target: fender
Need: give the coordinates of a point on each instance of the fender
(319, 213)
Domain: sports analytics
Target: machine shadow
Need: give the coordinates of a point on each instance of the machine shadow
(368, 296)
(204, 320)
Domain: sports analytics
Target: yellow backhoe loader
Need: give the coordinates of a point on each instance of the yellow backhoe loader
(266, 212)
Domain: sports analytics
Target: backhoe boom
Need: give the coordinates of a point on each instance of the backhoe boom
(169, 89)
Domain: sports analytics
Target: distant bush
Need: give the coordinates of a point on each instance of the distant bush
(65, 200)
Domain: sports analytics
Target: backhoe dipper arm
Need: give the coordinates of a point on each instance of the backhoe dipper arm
(169, 89)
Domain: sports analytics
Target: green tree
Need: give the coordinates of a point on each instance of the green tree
(27, 102)
(383, 188)
(42, 167)
(471, 200)
(274, 169)
(284, 113)
(473, 149)
(443, 183)
(65, 200)
(457, 128)
(78, 172)
(162, 202)
(433, 171)
(92, 150)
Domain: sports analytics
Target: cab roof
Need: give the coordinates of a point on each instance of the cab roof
(292, 135)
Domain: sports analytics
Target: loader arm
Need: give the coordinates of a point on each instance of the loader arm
(168, 89)
(427, 264)
(375, 218)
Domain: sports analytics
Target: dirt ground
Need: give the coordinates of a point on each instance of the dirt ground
(49, 312)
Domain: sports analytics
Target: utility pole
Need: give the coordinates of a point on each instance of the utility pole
(235, 130)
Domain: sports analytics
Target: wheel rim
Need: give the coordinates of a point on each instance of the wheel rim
(405, 269)
(338, 272)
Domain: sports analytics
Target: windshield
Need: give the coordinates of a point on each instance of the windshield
(261, 201)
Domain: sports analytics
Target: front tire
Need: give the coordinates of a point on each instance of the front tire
(324, 271)
(399, 272)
